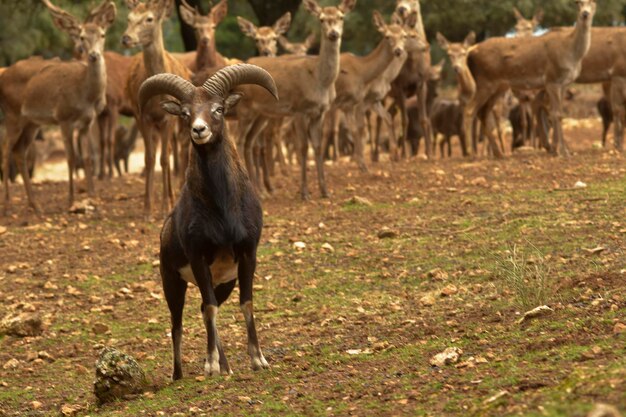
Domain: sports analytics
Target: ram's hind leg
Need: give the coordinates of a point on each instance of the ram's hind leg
(247, 265)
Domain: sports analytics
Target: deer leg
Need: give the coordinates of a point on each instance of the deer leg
(422, 108)
(246, 268)
(266, 151)
(301, 133)
(147, 132)
(175, 289)
(110, 143)
(315, 134)
(168, 195)
(354, 118)
(185, 148)
(68, 140)
(19, 153)
(104, 124)
(14, 132)
(555, 92)
(619, 112)
(84, 137)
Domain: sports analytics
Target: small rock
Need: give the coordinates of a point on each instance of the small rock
(427, 300)
(36, 405)
(580, 184)
(358, 201)
(21, 325)
(604, 410)
(479, 182)
(3, 230)
(438, 274)
(447, 357)
(619, 328)
(535, 313)
(299, 246)
(100, 328)
(387, 233)
(118, 376)
(449, 290)
(328, 247)
(69, 410)
(11, 364)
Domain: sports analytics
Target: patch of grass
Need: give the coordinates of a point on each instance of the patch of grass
(526, 276)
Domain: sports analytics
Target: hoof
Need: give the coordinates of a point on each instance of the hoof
(211, 368)
(259, 363)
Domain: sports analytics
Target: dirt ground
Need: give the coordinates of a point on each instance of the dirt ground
(350, 320)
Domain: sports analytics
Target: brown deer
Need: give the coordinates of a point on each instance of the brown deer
(297, 48)
(68, 94)
(206, 56)
(413, 79)
(526, 27)
(551, 61)
(358, 73)
(117, 67)
(306, 86)
(145, 29)
(265, 37)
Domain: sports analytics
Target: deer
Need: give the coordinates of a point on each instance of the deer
(206, 55)
(117, 67)
(145, 29)
(525, 28)
(358, 73)
(297, 48)
(551, 61)
(307, 89)
(68, 94)
(413, 79)
(211, 237)
(265, 37)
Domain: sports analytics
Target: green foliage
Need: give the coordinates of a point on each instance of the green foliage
(26, 27)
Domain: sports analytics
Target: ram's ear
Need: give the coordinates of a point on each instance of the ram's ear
(232, 101)
(172, 107)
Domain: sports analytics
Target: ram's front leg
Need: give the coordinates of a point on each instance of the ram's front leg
(209, 309)
(247, 265)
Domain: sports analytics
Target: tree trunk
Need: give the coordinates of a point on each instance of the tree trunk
(269, 11)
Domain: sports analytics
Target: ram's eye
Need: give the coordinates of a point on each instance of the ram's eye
(219, 111)
(185, 114)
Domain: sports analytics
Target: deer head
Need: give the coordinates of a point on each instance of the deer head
(203, 108)
(435, 71)
(331, 18)
(89, 36)
(394, 34)
(404, 8)
(266, 37)
(457, 52)
(586, 11)
(144, 21)
(298, 49)
(204, 25)
(525, 27)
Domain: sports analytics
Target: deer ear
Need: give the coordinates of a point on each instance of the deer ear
(247, 27)
(310, 41)
(517, 14)
(63, 20)
(411, 21)
(219, 12)
(187, 13)
(470, 39)
(282, 25)
(172, 107)
(379, 22)
(538, 17)
(312, 7)
(131, 4)
(284, 42)
(104, 15)
(232, 100)
(347, 6)
(443, 42)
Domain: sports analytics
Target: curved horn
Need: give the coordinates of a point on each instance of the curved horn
(169, 84)
(230, 77)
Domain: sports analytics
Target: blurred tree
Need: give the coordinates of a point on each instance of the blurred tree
(186, 31)
(269, 11)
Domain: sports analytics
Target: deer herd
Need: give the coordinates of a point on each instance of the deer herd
(321, 96)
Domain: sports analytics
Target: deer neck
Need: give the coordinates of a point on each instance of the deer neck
(96, 80)
(154, 54)
(581, 38)
(206, 55)
(467, 85)
(328, 67)
(376, 62)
